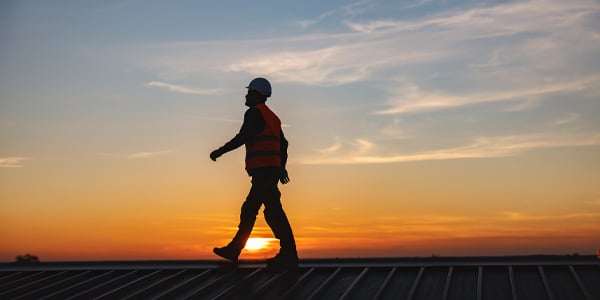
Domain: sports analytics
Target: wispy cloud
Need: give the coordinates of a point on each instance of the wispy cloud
(524, 217)
(335, 64)
(482, 147)
(594, 202)
(498, 20)
(513, 55)
(569, 118)
(494, 61)
(139, 155)
(13, 161)
(310, 22)
(359, 146)
(182, 89)
(363, 146)
(149, 154)
(523, 105)
(414, 4)
(395, 130)
(411, 98)
(513, 224)
(501, 44)
(349, 10)
(333, 148)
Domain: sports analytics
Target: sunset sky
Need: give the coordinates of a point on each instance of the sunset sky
(416, 127)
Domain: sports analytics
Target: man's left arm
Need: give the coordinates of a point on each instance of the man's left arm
(283, 177)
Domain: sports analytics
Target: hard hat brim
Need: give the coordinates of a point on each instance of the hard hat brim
(258, 92)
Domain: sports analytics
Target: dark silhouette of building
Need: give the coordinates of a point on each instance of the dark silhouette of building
(27, 259)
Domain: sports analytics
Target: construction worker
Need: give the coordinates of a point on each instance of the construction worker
(266, 157)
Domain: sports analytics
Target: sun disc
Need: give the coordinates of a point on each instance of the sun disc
(254, 244)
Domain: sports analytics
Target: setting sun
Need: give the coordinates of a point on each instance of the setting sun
(255, 244)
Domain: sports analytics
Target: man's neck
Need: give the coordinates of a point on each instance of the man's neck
(255, 104)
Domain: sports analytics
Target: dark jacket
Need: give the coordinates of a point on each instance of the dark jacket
(253, 124)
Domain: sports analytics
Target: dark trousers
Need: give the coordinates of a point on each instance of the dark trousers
(264, 191)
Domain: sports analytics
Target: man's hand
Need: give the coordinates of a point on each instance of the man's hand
(283, 176)
(215, 154)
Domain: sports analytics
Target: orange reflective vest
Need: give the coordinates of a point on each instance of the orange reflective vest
(264, 149)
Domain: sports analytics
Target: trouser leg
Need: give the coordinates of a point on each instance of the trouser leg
(248, 214)
(277, 219)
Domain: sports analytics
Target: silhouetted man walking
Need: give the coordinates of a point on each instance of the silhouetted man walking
(266, 157)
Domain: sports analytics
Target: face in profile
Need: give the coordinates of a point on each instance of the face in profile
(253, 98)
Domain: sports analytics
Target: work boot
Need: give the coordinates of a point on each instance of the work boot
(228, 253)
(283, 261)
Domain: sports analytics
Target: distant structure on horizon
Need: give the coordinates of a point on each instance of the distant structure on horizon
(27, 259)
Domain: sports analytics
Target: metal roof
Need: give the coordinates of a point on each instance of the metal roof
(432, 278)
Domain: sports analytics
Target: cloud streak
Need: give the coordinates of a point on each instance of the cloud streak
(514, 216)
(13, 161)
(333, 148)
(182, 89)
(493, 21)
(482, 147)
(594, 202)
(513, 224)
(140, 155)
(149, 154)
(412, 98)
(569, 118)
(332, 65)
(507, 44)
(350, 10)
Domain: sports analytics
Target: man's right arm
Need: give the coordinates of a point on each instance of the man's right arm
(253, 124)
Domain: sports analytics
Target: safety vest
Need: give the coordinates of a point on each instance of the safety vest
(264, 149)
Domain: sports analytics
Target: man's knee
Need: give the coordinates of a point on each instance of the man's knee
(249, 211)
(274, 212)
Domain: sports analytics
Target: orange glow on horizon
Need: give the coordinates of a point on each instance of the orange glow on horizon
(160, 220)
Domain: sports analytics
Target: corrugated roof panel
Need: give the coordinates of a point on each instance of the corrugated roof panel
(496, 283)
(590, 278)
(369, 284)
(287, 282)
(468, 278)
(562, 283)
(432, 283)
(463, 283)
(529, 283)
(61, 279)
(180, 283)
(316, 282)
(398, 282)
(87, 281)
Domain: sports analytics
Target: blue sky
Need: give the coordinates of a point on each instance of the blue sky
(91, 90)
(382, 81)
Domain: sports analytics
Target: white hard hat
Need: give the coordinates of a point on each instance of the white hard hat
(260, 85)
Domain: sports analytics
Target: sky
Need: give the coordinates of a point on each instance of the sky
(416, 128)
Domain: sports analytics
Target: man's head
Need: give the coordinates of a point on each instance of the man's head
(253, 97)
(259, 90)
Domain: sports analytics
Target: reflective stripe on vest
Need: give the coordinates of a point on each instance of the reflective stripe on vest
(264, 150)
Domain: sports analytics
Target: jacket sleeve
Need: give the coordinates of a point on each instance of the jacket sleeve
(283, 151)
(253, 124)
